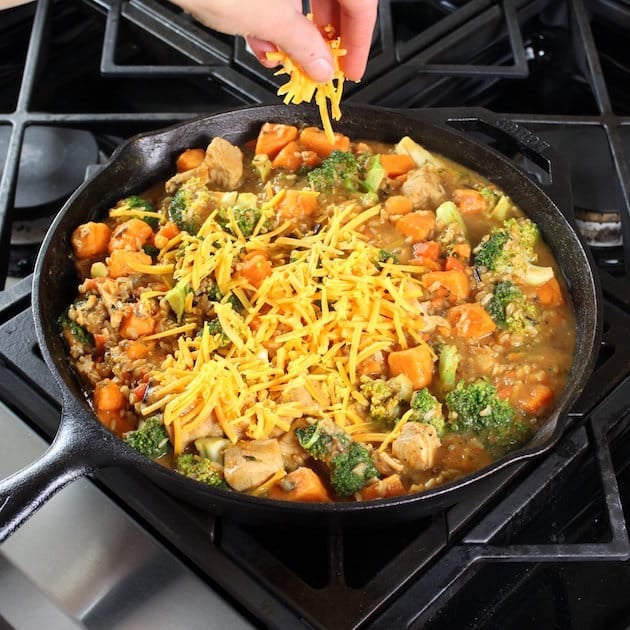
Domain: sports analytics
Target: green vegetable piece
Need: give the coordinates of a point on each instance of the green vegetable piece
(151, 250)
(448, 213)
(448, 362)
(98, 270)
(138, 203)
(351, 470)
(215, 328)
(349, 463)
(501, 208)
(262, 165)
(490, 250)
(428, 409)
(199, 469)
(408, 146)
(212, 448)
(510, 250)
(80, 333)
(374, 175)
(510, 309)
(150, 438)
(386, 398)
(490, 196)
(476, 407)
(246, 219)
(190, 205)
(314, 440)
(385, 256)
(176, 298)
(339, 170)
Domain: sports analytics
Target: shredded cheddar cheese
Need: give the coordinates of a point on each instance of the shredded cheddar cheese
(300, 88)
(297, 348)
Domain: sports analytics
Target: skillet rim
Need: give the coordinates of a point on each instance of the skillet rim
(558, 419)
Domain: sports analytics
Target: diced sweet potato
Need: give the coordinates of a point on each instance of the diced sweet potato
(302, 484)
(470, 321)
(90, 240)
(415, 363)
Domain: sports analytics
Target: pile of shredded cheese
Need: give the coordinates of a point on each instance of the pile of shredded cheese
(296, 350)
(300, 88)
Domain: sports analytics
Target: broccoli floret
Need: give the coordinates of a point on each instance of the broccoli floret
(245, 218)
(476, 407)
(76, 331)
(150, 250)
(510, 309)
(190, 205)
(200, 469)
(385, 398)
(384, 256)
(215, 295)
(150, 438)
(489, 254)
(428, 409)
(345, 170)
(510, 250)
(490, 196)
(138, 203)
(215, 328)
(349, 463)
(339, 170)
(317, 441)
(351, 470)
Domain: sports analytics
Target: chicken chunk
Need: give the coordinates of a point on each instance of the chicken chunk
(424, 187)
(206, 428)
(225, 164)
(221, 169)
(416, 446)
(293, 455)
(249, 464)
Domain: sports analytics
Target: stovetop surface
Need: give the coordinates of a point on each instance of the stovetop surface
(544, 543)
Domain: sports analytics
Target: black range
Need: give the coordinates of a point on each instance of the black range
(544, 543)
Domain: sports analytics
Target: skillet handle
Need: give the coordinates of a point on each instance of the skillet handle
(532, 153)
(79, 448)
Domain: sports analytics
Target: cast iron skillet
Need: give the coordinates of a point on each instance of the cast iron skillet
(82, 445)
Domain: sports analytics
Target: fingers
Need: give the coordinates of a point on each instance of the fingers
(357, 26)
(260, 48)
(354, 21)
(265, 24)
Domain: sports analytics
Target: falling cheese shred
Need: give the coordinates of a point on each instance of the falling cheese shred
(297, 347)
(300, 88)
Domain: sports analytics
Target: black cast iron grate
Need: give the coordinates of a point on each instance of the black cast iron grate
(512, 520)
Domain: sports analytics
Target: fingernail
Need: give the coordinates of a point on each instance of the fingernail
(320, 70)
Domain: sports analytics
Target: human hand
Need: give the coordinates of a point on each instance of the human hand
(281, 24)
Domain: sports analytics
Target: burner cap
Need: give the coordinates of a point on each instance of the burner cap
(52, 164)
(599, 229)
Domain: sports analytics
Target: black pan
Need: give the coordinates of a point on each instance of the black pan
(83, 445)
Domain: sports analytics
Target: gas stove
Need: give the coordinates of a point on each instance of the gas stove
(543, 543)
